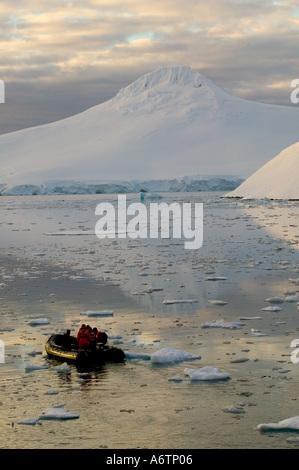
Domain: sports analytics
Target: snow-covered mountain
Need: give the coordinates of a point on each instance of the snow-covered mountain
(167, 124)
(277, 179)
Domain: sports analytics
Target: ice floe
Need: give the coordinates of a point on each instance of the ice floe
(32, 367)
(176, 378)
(39, 321)
(104, 313)
(170, 355)
(30, 421)
(206, 373)
(292, 298)
(65, 368)
(58, 413)
(291, 424)
(251, 318)
(275, 300)
(272, 308)
(187, 301)
(234, 410)
(254, 332)
(217, 302)
(232, 325)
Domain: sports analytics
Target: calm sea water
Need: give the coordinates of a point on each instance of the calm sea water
(54, 267)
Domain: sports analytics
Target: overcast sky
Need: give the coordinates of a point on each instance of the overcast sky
(60, 57)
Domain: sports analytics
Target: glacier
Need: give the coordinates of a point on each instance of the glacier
(185, 184)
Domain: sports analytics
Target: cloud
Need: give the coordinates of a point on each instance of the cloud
(247, 48)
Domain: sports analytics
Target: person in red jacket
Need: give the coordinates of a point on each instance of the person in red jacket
(84, 337)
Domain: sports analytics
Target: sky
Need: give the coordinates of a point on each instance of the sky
(60, 57)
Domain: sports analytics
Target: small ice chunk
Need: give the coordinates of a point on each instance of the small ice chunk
(234, 409)
(30, 421)
(176, 378)
(257, 333)
(272, 308)
(206, 373)
(217, 302)
(58, 413)
(104, 313)
(39, 321)
(31, 367)
(275, 300)
(222, 324)
(292, 298)
(251, 318)
(78, 278)
(186, 301)
(289, 423)
(62, 368)
(33, 353)
(170, 355)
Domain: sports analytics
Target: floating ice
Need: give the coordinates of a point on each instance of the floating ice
(170, 355)
(30, 367)
(33, 353)
(254, 332)
(30, 421)
(58, 413)
(62, 368)
(251, 318)
(104, 313)
(137, 355)
(206, 373)
(232, 325)
(176, 378)
(217, 302)
(39, 321)
(275, 300)
(289, 423)
(272, 308)
(292, 298)
(78, 278)
(234, 409)
(215, 278)
(186, 301)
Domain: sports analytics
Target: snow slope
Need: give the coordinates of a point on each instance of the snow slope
(168, 123)
(277, 179)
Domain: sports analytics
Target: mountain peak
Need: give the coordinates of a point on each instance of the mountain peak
(181, 75)
(170, 122)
